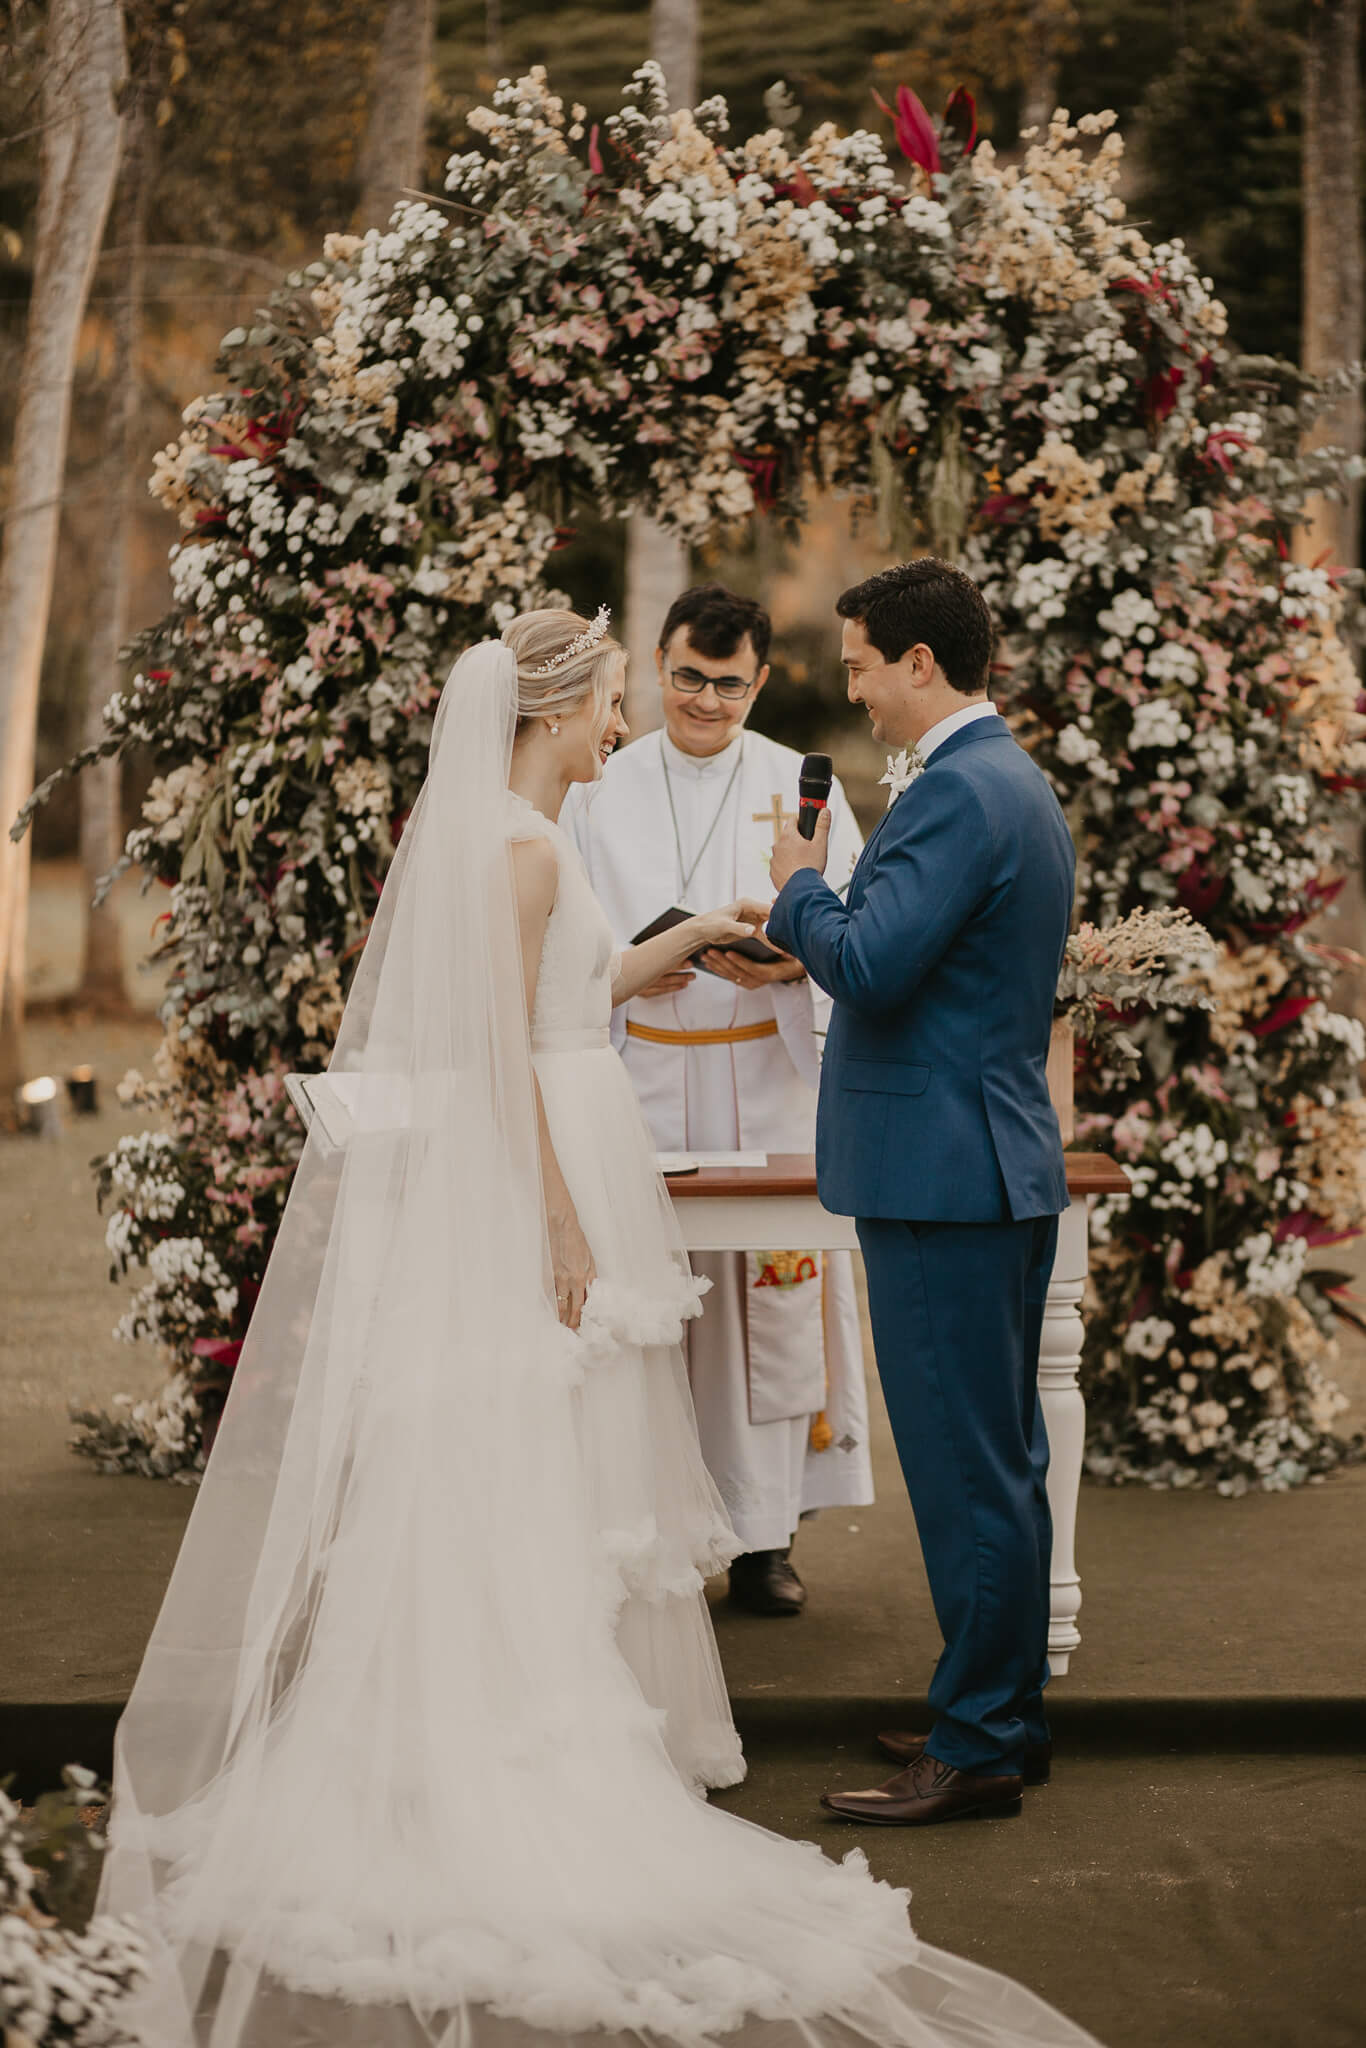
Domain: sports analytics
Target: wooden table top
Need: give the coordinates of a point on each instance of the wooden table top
(794, 1173)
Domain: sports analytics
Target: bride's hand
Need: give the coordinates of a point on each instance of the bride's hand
(743, 920)
(571, 1262)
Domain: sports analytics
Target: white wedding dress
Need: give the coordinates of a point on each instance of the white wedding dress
(416, 1750)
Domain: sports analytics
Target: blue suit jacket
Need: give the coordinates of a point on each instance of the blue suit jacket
(943, 965)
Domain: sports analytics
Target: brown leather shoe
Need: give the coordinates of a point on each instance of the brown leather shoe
(903, 1748)
(928, 1792)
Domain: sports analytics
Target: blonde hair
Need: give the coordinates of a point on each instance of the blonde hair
(537, 638)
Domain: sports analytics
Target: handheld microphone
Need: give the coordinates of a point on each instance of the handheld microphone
(813, 791)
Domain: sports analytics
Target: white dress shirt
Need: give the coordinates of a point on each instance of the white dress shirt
(955, 721)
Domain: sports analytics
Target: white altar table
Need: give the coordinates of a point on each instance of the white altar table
(738, 1207)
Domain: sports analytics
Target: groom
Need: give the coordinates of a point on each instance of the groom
(935, 1131)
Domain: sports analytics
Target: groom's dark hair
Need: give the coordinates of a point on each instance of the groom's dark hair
(932, 602)
(717, 620)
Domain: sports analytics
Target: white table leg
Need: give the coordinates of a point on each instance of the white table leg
(1064, 1413)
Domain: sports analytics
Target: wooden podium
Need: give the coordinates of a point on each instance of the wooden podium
(739, 1208)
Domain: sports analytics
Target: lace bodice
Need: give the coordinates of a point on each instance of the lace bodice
(574, 984)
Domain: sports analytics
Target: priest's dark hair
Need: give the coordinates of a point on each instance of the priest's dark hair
(931, 602)
(717, 620)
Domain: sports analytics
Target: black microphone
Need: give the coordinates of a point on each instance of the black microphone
(813, 791)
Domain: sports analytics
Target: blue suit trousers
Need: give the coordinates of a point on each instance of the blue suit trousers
(957, 1313)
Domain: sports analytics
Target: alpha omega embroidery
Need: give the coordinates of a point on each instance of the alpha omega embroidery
(786, 1269)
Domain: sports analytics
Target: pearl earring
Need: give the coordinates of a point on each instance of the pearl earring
(554, 727)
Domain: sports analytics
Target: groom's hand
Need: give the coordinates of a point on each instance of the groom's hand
(793, 852)
(753, 973)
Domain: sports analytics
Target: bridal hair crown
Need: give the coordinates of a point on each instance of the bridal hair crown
(588, 638)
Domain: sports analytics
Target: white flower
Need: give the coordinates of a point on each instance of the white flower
(1307, 590)
(1149, 1337)
(1196, 1158)
(1272, 1269)
(1075, 746)
(1158, 723)
(902, 770)
(1290, 798)
(1041, 590)
(1215, 752)
(1130, 616)
(1250, 889)
(1171, 662)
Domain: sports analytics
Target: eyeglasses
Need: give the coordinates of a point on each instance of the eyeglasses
(731, 688)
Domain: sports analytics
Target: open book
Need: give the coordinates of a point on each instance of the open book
(752, 949)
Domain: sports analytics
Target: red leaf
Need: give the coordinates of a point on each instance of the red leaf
(595, 163)
(764, 473)
(1312, 1229)
(1002, 508)
(1198, 890)
(1218, 444)
(1159, 393)
(798, 188)
(218, 1350)
(914, 131)
(961, 116)
(1283, 1014)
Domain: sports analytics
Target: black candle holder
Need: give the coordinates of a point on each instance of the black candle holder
(81, 1091)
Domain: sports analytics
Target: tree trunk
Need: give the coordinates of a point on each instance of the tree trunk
(83, 70)
(391, 157)
(675, 34)
(1332, 336)
(657, 570)
(1332, 315)
(1039, 93)
(656, 562)
(101, 787)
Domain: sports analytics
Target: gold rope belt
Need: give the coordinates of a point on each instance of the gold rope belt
(737, 1034)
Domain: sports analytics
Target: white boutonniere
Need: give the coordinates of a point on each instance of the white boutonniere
(902, 770)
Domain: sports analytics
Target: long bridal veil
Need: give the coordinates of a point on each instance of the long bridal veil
(385, 1779)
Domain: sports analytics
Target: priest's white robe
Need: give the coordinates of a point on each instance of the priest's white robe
(778, 1346)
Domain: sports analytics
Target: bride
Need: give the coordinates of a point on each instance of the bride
(414, 1756)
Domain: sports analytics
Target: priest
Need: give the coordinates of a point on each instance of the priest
(726, 1057)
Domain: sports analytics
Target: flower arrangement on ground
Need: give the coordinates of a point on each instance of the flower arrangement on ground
(650, 315)
(59, 1984)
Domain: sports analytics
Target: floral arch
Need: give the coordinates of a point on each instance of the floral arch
(649, 315)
